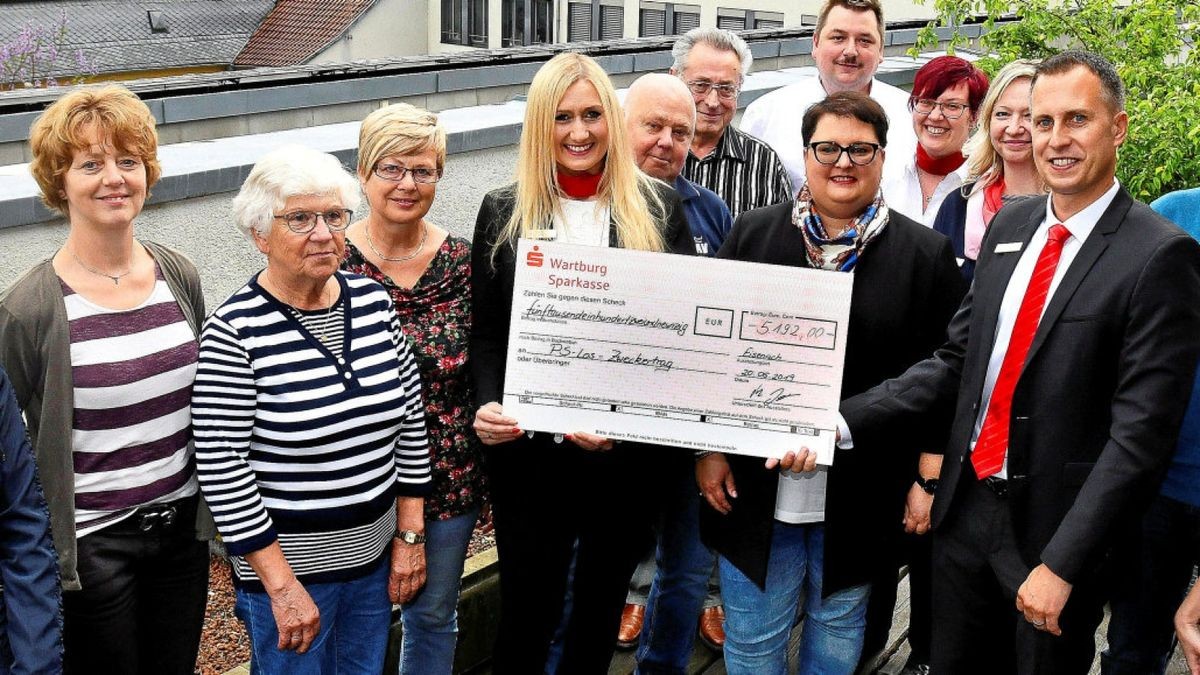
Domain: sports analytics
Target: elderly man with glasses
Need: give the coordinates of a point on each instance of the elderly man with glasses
(741, 169)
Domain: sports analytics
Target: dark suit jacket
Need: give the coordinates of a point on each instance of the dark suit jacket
(906, 288)
(1098, 405)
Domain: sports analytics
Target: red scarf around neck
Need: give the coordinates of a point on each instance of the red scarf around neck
(936, 166)
(583, 186)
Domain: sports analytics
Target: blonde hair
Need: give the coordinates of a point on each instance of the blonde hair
(110, 113)
(399, 129)
(635, 207)
(984, 166)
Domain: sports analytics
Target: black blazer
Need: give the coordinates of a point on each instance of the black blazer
(492, 281)
(1098, 405)
(538, 459)
(906, 288)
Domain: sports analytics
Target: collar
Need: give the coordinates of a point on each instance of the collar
(731, 145)
(686, 188)
(1081, 224)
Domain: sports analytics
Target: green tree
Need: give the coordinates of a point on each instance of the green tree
(1151, 42)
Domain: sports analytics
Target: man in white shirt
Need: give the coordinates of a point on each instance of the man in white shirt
(1062, 386)
(847, 48)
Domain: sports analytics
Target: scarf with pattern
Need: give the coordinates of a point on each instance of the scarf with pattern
(842, 251)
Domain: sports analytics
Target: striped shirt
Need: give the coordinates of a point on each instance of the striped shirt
(132, 371)
(299, 446)
(743, 171)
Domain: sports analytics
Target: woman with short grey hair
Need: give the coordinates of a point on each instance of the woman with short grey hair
(310, 433)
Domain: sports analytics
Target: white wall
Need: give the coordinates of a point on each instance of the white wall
(389, 28)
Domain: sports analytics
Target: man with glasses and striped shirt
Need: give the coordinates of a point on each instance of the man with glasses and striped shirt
(743, 170)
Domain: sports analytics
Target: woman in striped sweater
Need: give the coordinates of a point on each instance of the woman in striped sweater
(100, 344)
(310, 433)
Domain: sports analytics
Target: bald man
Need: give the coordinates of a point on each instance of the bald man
(660, 119)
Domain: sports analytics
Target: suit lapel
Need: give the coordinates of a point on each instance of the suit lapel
(988, 297)
(1091, 250)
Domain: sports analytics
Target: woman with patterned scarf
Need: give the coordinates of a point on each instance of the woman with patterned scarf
(823, 536)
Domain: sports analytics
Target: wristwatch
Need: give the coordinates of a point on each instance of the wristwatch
(927, 484)
(410, 537)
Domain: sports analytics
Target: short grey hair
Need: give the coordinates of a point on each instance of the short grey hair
(289, 171)
(719, 39)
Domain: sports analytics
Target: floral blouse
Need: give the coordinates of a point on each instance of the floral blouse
(435, 316)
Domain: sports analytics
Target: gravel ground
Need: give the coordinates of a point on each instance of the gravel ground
(223, 644)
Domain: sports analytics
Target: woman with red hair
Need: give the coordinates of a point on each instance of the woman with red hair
(945, 98)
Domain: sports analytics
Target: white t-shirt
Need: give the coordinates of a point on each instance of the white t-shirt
(582, 222)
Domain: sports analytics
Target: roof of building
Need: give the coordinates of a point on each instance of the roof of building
(296, 30)
(119, 37)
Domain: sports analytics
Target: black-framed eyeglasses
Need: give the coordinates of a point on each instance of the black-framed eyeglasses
(303, 222)
(702, 87)
(394, 173)
(828, 152)
(950, 109)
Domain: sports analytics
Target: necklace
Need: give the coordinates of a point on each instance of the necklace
(116, 278)
(403, 258)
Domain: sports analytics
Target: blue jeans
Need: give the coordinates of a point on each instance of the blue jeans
(431, 619)
(680, 584)
(354, 628)
(757, 622)
(1141, 631)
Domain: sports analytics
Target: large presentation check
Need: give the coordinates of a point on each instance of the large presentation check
(676, 350)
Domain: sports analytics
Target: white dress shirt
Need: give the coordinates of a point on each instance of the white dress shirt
(1080, 226)
(902, 191)
(775, 119)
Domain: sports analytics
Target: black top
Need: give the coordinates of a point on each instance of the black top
(906, 288)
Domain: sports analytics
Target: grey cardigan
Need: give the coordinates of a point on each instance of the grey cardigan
(35, 349)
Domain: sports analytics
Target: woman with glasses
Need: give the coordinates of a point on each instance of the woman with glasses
(427, 273)
(100, 344)
(576, 183)
(783, 535)
(999, 165)
(310, 432)
(946, 95)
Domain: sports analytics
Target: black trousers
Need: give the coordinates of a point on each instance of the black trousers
(141, 608)
(545, 497)
(917, 554)
(977, 569)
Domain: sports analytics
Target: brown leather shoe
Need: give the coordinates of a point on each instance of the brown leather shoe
(631, 625)
(712, 628)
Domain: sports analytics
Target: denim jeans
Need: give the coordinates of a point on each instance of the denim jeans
(757, 622)
(431, 619)
(1141, 631)
(680, 583)
(354, 628)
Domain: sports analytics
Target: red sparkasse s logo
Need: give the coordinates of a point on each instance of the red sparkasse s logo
(534, 258)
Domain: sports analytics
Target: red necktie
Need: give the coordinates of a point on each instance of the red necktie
(988, 456)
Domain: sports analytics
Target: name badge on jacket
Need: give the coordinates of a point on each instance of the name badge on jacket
(1008, 247)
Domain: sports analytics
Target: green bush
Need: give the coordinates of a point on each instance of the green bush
(1151, 42)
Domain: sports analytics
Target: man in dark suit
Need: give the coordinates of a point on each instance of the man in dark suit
(1063, 384)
